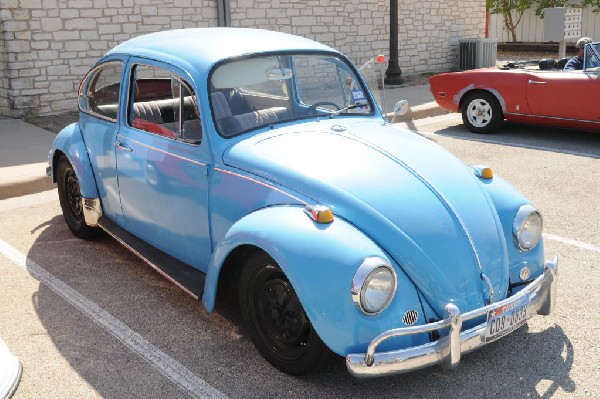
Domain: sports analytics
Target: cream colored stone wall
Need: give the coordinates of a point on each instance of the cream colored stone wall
(50, 44)
(4, 82)
(428, 31)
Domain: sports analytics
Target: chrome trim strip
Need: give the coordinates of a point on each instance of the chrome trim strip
(558, 118)
(92, 210)
(262, 184)
(152, 265)
(448, 349)
(162, 151)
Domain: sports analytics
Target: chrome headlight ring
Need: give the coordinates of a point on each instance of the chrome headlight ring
(527, 227)
(374, 285)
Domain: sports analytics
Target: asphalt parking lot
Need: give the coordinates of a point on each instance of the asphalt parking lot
(89, 319)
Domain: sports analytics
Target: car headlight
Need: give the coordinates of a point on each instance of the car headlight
(527, 227)
(373, 285)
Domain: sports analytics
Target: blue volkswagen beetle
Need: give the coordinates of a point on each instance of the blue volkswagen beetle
(262, 160)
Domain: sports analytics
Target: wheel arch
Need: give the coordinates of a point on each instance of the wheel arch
(69, 142)
(320, 262)
(463, 94)
(233, 264)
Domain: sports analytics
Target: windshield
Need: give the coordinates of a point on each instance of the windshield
(592, 57)
(259, 91)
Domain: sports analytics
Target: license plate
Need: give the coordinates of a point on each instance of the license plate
(505, 319)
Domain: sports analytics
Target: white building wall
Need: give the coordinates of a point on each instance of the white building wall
(50, 44)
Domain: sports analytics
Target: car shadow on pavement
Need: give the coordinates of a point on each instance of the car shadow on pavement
(215, 348)
(586, 144)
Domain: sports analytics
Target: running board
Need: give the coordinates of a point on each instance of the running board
(183, 275)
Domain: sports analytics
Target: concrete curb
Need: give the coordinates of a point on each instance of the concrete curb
(16, 181)
(25, 186)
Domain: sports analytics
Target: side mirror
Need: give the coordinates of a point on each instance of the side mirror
(401, 108)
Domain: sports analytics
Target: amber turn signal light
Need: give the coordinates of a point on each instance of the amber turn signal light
(319, 213)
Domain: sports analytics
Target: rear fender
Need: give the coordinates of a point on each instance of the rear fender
(320, 261)
(70, 143)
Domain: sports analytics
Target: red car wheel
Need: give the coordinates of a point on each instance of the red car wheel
(481, 112)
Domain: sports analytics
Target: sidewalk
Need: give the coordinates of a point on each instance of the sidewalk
(23, 158)
(24, 147)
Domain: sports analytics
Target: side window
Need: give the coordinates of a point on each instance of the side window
(591, 60)
(99, 92)
(164, 104)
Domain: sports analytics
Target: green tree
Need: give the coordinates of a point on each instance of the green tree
(512, 10)
(594, 4)
(541, 4)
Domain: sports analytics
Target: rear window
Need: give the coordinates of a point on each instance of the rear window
(99, 91)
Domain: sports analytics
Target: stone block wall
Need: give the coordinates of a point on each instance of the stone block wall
(50, 44)
(46, 46)
(428, 31)
(4, 83)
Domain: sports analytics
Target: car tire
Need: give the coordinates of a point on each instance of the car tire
(69, 195)
(275, 319)
(481, 112)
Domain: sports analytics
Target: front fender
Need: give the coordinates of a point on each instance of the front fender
(507, 200)
(320, 261)
(70, 142)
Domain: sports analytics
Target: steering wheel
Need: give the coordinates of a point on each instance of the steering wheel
(313, 108)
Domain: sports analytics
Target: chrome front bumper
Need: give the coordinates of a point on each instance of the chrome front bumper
(448, 349)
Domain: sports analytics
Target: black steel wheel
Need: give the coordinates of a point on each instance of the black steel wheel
(69, 195)
(276, 321)
(481, 112)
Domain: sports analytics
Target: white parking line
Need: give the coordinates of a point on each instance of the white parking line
(575, 243)
(162, 362)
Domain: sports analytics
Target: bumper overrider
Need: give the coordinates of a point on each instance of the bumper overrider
(538, 297)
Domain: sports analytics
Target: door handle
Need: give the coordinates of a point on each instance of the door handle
(120, 146)
(536, 82)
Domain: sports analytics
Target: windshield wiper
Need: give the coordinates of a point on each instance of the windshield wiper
(346, 108)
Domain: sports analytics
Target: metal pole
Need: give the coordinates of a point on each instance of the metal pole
(393, 74)
(223, 13)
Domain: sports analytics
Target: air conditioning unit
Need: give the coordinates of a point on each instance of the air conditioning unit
(477, 53)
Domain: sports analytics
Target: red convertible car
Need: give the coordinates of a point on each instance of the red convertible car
(550, 97)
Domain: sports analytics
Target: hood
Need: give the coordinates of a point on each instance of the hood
(418, 202)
